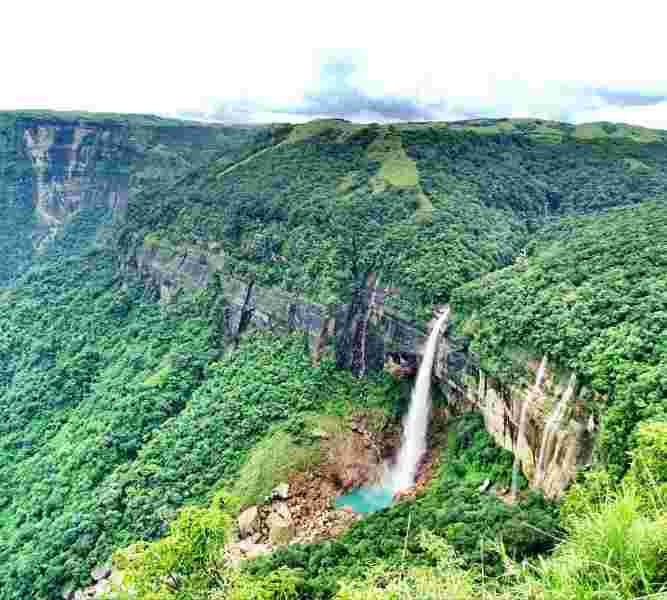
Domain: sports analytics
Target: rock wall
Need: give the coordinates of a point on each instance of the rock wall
(52, 167)
(360, 333)
(544, 419)
(74, 166)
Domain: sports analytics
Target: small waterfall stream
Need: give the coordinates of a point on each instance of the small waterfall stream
(415, 425)
(539, 379)
(550, 438)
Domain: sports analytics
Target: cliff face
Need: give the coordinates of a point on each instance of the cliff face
(544, 419)
(54, 167)
(74, 167)
(360, 332)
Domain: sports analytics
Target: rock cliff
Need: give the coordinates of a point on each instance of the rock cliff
(54, 166)
(360, 332)
(74, 166)
(544, 418)
(547, 423)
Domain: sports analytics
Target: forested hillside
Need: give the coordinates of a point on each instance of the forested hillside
(427, 207)
(592, 293)
(120, 406)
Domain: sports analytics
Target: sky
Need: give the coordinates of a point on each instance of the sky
(363, 60)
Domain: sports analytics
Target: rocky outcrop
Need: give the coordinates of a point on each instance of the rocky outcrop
(544, 418)
(248, 522)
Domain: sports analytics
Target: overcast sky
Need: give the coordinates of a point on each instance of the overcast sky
(363, 60)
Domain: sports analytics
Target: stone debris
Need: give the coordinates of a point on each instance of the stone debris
(485, 486)
(281, 491)
(248, 521)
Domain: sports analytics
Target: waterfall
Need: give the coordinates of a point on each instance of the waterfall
(363, 339)
(415, 425)
(552, 428)
(539, 379)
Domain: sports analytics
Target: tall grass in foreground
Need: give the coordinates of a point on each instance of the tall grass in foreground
(615, 549)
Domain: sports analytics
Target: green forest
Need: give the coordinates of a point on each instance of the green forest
(130, 424)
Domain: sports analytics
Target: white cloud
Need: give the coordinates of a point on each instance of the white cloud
(478, 57)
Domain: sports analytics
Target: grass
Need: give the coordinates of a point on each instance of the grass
(270, 463)
(397, 168)
(301, 133)
(614, 549)
(550, 131)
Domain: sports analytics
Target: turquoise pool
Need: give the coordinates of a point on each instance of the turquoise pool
(366, 499)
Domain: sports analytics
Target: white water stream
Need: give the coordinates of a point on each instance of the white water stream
(415, 425)
(550, 436)
(521, 433)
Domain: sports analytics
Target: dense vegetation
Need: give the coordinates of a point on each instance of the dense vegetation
(428, 208)
(592, 294)
(611, 543)
(117, 412)
(114, 414)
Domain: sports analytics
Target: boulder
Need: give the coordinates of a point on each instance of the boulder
(248, 521)
(282, 509)
(245, 545)
(281, 530)
(258, 550)
(485, 486)
(281, 491)
(101, 572)
(251, 550)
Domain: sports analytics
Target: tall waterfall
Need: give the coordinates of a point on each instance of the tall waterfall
(415, 425)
